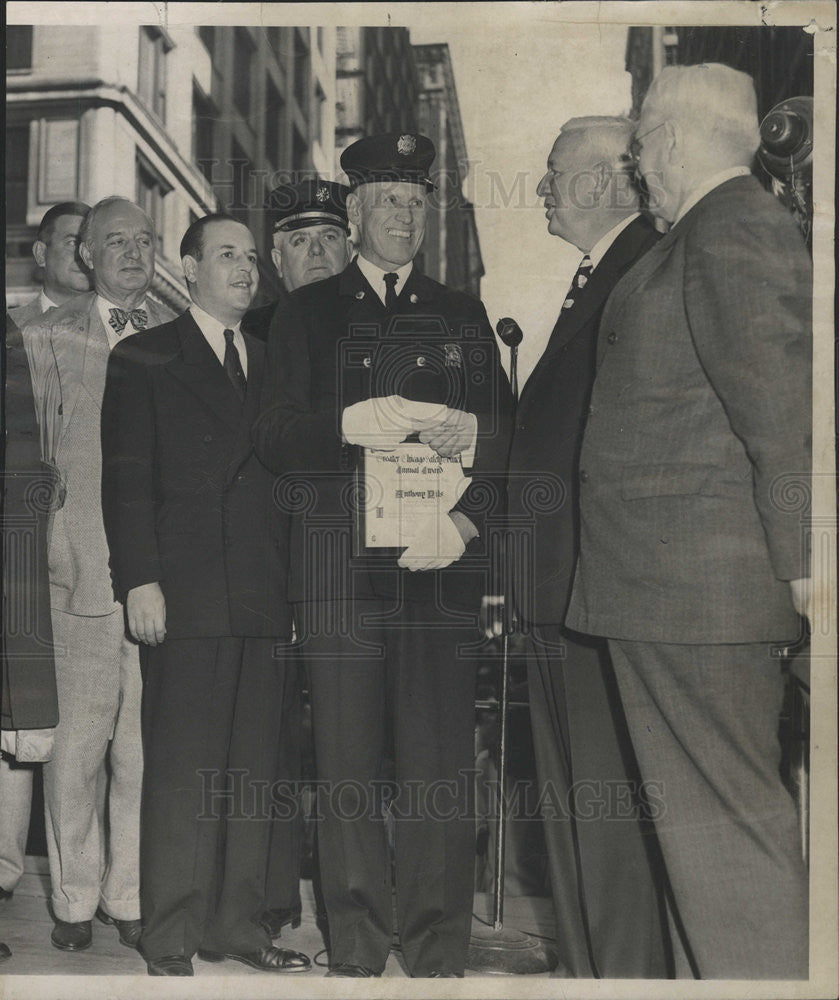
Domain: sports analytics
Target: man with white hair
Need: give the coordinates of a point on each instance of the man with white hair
(605, 898)
(97, 741)
(690, 563)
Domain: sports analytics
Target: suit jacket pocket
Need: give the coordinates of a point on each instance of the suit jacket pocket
(682, 479)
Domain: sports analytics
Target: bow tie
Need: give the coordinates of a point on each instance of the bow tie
(120, 317)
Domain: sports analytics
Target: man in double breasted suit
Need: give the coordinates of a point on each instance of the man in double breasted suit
(199, 550)
(385, 632)
(607, 906)
(97, 667)
(692, 559)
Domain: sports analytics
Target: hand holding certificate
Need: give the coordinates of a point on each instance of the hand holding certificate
(408, 488)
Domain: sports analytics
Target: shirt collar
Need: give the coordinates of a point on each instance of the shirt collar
(599, 249)
(45, 302)
(376, 275)
(707, 186)
(208, 324)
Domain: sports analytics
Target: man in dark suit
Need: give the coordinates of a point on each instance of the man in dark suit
(607, 907)
(28, 698)
(199, 550)
(384, 631)
(692, 557)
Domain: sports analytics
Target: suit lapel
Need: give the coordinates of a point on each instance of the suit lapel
(198, 368)
(600, 285)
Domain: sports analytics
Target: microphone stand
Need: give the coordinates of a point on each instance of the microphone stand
(501, 950)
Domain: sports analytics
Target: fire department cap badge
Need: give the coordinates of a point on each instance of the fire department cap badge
(405, 145)
(322, 194)
(452, 356)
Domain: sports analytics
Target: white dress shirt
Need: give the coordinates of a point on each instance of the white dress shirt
(707, 186)
(45, 302)
(376, 276)
(114, 338)
(213, 332)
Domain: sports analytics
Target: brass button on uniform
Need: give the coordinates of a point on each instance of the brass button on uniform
(208, 438)
(420, 360)
(367, 362)
(583, 476)
(612, 338)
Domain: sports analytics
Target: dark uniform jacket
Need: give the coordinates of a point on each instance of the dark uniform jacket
(696, 457)
(186, 502)
(544, 455)
(29, 698)
(336, 346)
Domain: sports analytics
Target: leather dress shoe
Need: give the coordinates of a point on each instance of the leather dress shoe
(444, 975)
(268, 959)
(6, 893)
(129, 930)
(72, 936)
(170, 965)
(273, 921)
(348, 971)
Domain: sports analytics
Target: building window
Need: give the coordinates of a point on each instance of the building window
(151, 195)
(299, 154)
(317, 113)
(242, 63)
(207, 34)
(242, 169)
(19, 47)
(203, 120)
(301, 70)
(274, 115)
(17, 173)
(152, 77)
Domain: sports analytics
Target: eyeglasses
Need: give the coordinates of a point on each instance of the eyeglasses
(635, 146)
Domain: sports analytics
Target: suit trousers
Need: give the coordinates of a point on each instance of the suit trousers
(704, 724)
(16, 798)
(94, 780)
(211, 732)
(385, 683)
(282, 881)
(609, 910)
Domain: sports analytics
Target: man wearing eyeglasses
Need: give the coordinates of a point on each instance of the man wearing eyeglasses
(691, 563)
(598, 864)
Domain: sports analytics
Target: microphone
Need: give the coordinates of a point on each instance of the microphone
(509, 333)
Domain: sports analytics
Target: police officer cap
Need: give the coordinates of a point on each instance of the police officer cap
(309, 203)
(390, 156)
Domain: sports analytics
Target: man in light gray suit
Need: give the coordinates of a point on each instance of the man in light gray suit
(97, 743)
(692, 561)
(56, 251)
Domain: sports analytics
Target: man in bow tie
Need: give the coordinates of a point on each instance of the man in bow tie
(97, 742)
(604, 894)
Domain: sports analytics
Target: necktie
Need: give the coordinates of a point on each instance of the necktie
(120, 317)
(578, 282)
(390, 293)
(233, 365)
